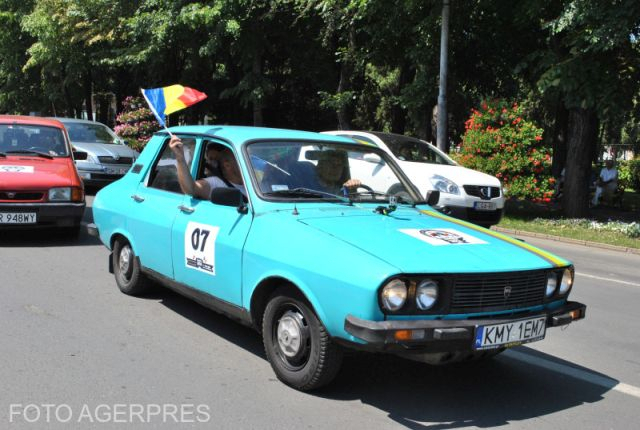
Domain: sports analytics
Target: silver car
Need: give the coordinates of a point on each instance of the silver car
(108, 157)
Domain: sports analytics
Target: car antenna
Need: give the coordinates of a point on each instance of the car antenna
(295, 209)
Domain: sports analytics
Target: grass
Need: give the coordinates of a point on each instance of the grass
(525, 216)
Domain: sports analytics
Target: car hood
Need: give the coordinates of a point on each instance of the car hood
(31, 173)
(458, 174)
(425, 241)
(105, 149)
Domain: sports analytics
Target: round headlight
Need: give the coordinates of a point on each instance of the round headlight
(567, 281)
(426, 294)
(552, 283)
(393, 295)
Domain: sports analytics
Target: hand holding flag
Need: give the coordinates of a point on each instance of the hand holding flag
(166, 100)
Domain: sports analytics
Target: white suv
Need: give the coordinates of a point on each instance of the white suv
(464, 193)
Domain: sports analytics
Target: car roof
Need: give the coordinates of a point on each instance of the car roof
(241, 134)
(380, 134)
(68, 120)
(30, 120)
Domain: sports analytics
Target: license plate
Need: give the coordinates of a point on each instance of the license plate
(116, 171)
(510, 334)
(17, 217)
(484, 206)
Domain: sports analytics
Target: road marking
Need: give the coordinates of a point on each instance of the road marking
(583, 375)
(608, 279)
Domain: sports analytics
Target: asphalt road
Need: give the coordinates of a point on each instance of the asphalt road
(70, 339)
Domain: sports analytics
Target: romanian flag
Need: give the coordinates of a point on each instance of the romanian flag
(166, 100)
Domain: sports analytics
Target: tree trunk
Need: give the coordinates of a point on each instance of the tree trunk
(346, 72)
(257, 102)
(398, 113)
(581, 142)
(560, 140)
(88, 89)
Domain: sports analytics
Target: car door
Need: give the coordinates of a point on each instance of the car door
(208, 240)
(157, 201)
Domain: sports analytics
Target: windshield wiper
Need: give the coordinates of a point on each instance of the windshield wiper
(38, 153)
(308, 192)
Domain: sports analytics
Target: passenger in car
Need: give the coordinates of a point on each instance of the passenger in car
(202, 188)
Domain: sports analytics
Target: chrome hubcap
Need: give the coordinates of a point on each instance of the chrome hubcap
(125, 259)
(290, 333)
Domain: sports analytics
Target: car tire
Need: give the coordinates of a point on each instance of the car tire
(126, 269)
(296, 343)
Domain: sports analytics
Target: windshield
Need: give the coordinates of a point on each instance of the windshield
(91, 133)
(408, 149)
(35, 139)
(327, 171)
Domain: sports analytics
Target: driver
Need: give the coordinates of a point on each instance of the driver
(333, 173)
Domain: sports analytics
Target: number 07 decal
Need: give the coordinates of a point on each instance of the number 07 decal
(200, 247)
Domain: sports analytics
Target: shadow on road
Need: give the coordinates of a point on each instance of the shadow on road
(481, 394)
(41, 237)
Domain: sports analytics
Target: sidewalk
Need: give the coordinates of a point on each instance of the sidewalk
(567, 240)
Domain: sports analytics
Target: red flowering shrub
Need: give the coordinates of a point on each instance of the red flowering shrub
(500, 142)
(136, 123)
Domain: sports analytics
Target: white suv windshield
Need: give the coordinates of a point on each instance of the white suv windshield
(303, 170)
(91, 133)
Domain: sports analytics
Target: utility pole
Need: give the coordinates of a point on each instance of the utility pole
(441, 137)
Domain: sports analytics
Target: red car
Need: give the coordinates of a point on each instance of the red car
(39, 183)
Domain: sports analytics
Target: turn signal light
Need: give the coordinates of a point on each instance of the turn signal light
(77, 195)
(575, 315)
(408, 334)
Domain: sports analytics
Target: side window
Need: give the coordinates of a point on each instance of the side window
(164, 175)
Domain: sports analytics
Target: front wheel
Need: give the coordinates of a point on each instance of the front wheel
(297, 345)
(126, 268)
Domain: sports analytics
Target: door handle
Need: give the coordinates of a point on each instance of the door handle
(186, 209)
(137, 198)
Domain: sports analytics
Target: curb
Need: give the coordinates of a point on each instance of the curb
(568, 240)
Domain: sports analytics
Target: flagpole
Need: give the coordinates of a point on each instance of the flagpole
(164, 124)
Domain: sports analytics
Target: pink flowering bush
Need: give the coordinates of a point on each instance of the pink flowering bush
(136, 123)
(498, 140)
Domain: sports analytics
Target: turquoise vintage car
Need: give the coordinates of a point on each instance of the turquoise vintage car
(317, 266)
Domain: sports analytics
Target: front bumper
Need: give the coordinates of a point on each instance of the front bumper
(92, 177)
(47, 214)
(444, 335)
(472, 215)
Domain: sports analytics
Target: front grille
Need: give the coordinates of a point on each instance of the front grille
(111, 160)
(485, 293)
(482, 191)
(21, 196)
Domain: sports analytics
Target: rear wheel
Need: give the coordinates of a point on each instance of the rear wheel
(126, 269)
(297, 345)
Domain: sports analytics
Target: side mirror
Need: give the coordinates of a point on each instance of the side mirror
(81, 156)
(372, 158)
(229, 197)
(433, 197)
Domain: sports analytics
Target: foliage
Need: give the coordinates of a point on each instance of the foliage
(136, 123)
(629, 174)
(499, 141)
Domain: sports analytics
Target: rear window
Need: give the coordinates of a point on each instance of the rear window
(22, 138)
